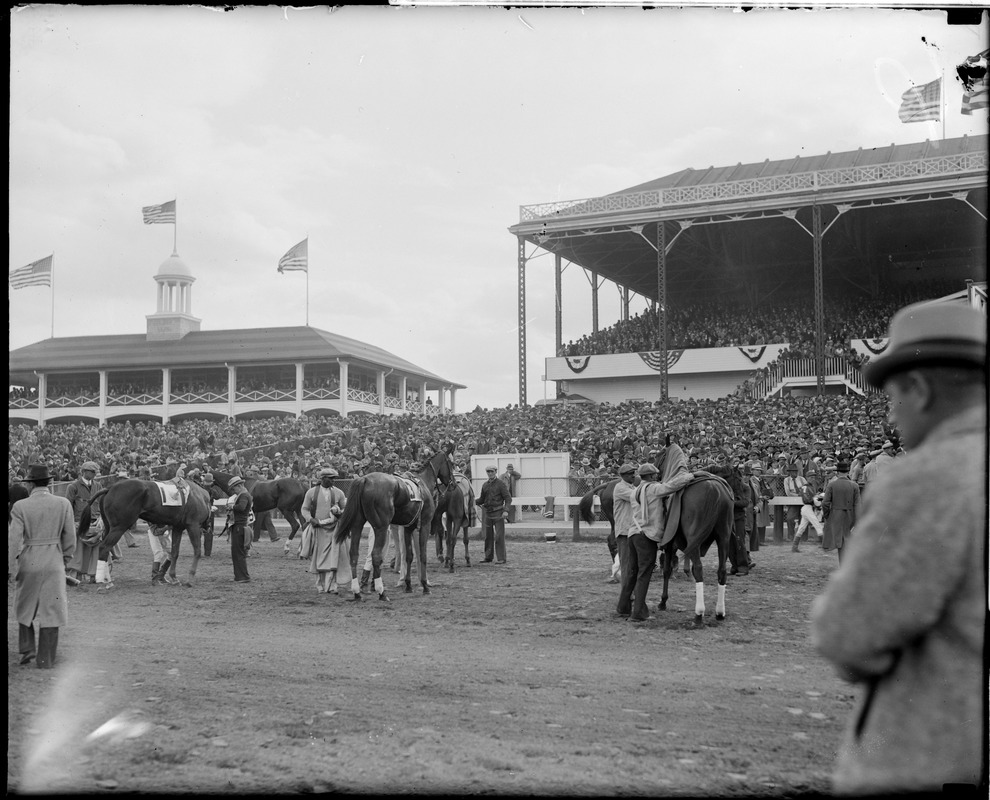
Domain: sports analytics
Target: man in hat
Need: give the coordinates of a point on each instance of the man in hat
(511, 478)
(904, 616)
(794, 486)
(494, 499)
(216, 493)
(623, 503)
(857, 466)
(839, 506)
(321, 508)
(240, 538)
(41, 536)
(85, 557)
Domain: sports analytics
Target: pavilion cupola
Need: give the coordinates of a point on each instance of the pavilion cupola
(173, 318)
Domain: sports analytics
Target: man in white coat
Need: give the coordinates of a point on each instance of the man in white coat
(321, 508)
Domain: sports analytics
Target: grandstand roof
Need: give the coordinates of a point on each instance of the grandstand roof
(250, 346)
(886, 212)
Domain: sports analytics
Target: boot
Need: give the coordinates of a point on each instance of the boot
(795, 543)
(25, 643)
(47, 645)
(155, 577)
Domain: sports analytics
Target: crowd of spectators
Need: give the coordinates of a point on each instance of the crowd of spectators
(721, 323)
(598, 438)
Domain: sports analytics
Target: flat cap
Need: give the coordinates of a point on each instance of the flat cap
(648, 469)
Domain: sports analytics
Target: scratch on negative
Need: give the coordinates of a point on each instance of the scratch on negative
(526, 23)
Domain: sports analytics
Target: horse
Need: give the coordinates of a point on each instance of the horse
(382, 499)
(705, 517)
(131, 499)
(284, 494)
(451, 516)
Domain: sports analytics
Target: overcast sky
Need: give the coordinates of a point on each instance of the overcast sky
(402, 141)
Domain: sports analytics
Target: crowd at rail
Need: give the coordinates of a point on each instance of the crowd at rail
(715, 323)
(598, 438)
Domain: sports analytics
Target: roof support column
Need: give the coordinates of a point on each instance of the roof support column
(166, 392)
(402, 393)
(422, 398)
(558, 314)
(443, 399)
(380, 380)
(594, 301)
(662, 306)
(231, 389)
(342, 366)
(300, 383)
(453, 400)
(816, 232)
(42, 395)
(521, 309)
(103, 398)
(625, 303)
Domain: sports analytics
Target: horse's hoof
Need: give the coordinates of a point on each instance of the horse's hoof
(662, 606)
(426, 589)
(719, 617)
(384, 598)
(355, 597)
(408, 588)
(467, 563)
(699, 620)
(187, 584)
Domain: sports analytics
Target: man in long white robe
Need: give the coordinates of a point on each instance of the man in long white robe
(321, 508)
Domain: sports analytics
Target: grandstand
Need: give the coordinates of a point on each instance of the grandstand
(867, 229)
(176, 371)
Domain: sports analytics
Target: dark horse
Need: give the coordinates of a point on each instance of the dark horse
(705, 517)
(15, 492)
(382, 499)
(129, 500)
(284, 494)
(452, 516)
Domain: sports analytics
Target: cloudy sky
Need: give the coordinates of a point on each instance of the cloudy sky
(402, 141)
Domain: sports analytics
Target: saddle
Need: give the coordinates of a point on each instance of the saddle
(672, 506)
(172, 495)
(465, 486)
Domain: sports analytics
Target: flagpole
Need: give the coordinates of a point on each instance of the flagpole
(942, 93)
(53, 294)
(307, 279)
(175, 227)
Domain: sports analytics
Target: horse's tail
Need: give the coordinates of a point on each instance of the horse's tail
(351, 510)
(587, 504)
(86, 517)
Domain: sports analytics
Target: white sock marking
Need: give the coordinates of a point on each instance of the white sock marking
(720, 603)
(699, 598)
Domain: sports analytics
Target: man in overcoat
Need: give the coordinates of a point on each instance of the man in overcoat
(904, 615)
(321, 508)
(839, 507)
(86, 556)
(41, 537)
(495, 499)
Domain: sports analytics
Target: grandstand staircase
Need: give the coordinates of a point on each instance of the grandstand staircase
(801, 373)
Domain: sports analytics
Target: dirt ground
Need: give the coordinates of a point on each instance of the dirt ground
(506, 679)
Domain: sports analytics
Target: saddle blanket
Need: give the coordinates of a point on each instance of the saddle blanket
(465, 485)
(171, 496)
(415, 493)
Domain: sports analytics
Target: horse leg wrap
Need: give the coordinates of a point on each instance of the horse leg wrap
(615, 567)
(720, 603)
(355, 586)
(102, 572)
(699, 598)
(379, 586)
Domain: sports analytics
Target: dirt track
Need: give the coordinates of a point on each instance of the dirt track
(506, 679)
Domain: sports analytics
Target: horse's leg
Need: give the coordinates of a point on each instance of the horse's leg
(466, 531)
(720, 602)
(407, 572)
(450, 530)
(441, 536)
(357, 528)
(168, 576)
(103, 563)
(699, 585)
(377, 546)
(424, 533)
(196, 537)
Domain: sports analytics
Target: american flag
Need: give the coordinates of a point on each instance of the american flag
(976, 83)
(297, 259)
(37, 273)
(921, 103)
(157, 214)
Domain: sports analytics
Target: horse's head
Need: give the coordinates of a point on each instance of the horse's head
(441, 468)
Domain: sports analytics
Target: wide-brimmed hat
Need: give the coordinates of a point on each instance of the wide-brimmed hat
(38, 473)
(842, 466)
(89, 465)
(931, 334)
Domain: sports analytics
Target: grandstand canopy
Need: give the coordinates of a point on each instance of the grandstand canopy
(254, 346)
(892, 214)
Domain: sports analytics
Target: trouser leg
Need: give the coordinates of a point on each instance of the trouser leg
(25, 643)
(208, 538)
(500, 540)
(628, 569)
(646, 561)
(238, 552)
(489, 538)
(47, 645)
(613, 547)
